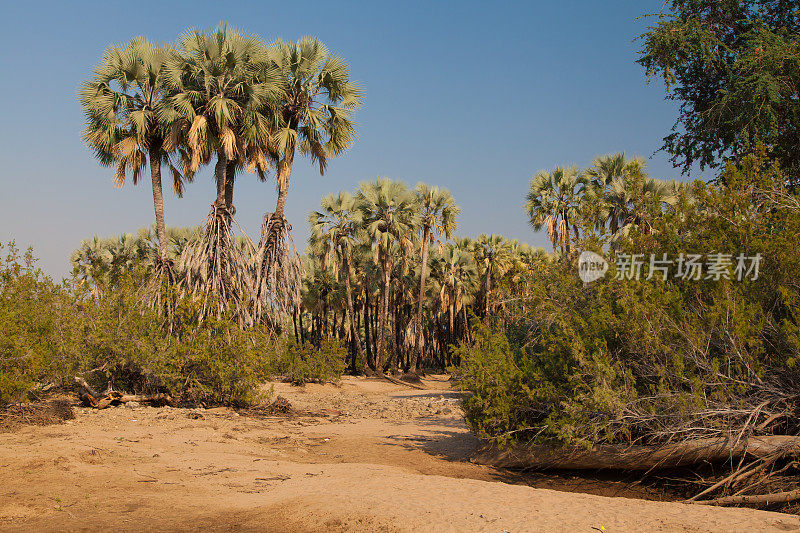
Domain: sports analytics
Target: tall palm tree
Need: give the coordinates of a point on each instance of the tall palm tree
(313, 114)
(553, 202)
(336, 227)
(223, 83)
(437, 211)
(125, 103)
(493, 253)
(388, 211)
(314, 109)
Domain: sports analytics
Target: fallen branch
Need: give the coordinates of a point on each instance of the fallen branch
(618, 457)
(400, 382)
(92, 398)
(754, 499)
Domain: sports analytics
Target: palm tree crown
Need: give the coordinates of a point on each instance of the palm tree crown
(553, 202)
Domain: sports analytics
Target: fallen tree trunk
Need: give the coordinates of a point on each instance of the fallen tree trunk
(755, 499)
(92, 398)
(620, 457)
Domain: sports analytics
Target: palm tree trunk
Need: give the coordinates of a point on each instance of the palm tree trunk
(230, 176)
(158, 202)
(415, 355)
(486, 292)
(283, 176)
(450, 332)
(367, 329)
(384, 312)
(466, 324)
(350, 312)
(219, 175)
(302, 331)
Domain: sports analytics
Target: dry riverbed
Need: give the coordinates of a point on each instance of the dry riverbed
(364, 455)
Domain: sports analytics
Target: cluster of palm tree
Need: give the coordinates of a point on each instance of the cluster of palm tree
(614, 194)
(100, 263)
(384, 273)
(227, 98)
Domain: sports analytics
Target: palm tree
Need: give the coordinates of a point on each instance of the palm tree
(335, 228)
(388, 213)
(635, 201)
(223, 83)
(312, 114)
(553, 202)
(125, 104)
(493, 252)
(314, 109)
(437, 216)
(456, 276)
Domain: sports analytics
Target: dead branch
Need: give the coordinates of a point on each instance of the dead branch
(754, 499)
(637, 457)
(92, 398)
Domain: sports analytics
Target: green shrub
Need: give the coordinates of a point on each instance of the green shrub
(35, 319)
(51, 333)
(304, 362)
(623, 361)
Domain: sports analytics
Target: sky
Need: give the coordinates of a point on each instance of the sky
(470, 96)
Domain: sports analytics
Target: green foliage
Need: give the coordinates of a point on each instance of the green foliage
(734, 67)
(304, 362)
(33, 326)
(623, 361)
(50, 333)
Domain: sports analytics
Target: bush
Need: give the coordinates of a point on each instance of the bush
(624, 361)
(50, 333)
(304, 362)
(35, 331)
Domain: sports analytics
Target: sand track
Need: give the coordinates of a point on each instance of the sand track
(367, 456)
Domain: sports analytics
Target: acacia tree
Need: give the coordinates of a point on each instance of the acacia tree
(335, 228)
(734, 67)
(436, 211)
(125, 103)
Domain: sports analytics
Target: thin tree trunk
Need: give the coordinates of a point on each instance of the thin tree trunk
(466, 324)
(450, 332)
(350, 312)
(302, 331)
(325, 315)
(158, 202)
(384, 312)
(415, 355)
(488, 289)
(294, 322)
(367, 329)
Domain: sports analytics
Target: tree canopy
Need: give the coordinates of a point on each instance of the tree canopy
(734, 68)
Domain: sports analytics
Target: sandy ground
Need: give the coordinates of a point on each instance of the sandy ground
(364, 456)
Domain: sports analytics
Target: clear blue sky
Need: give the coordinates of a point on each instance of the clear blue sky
(471, 96)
